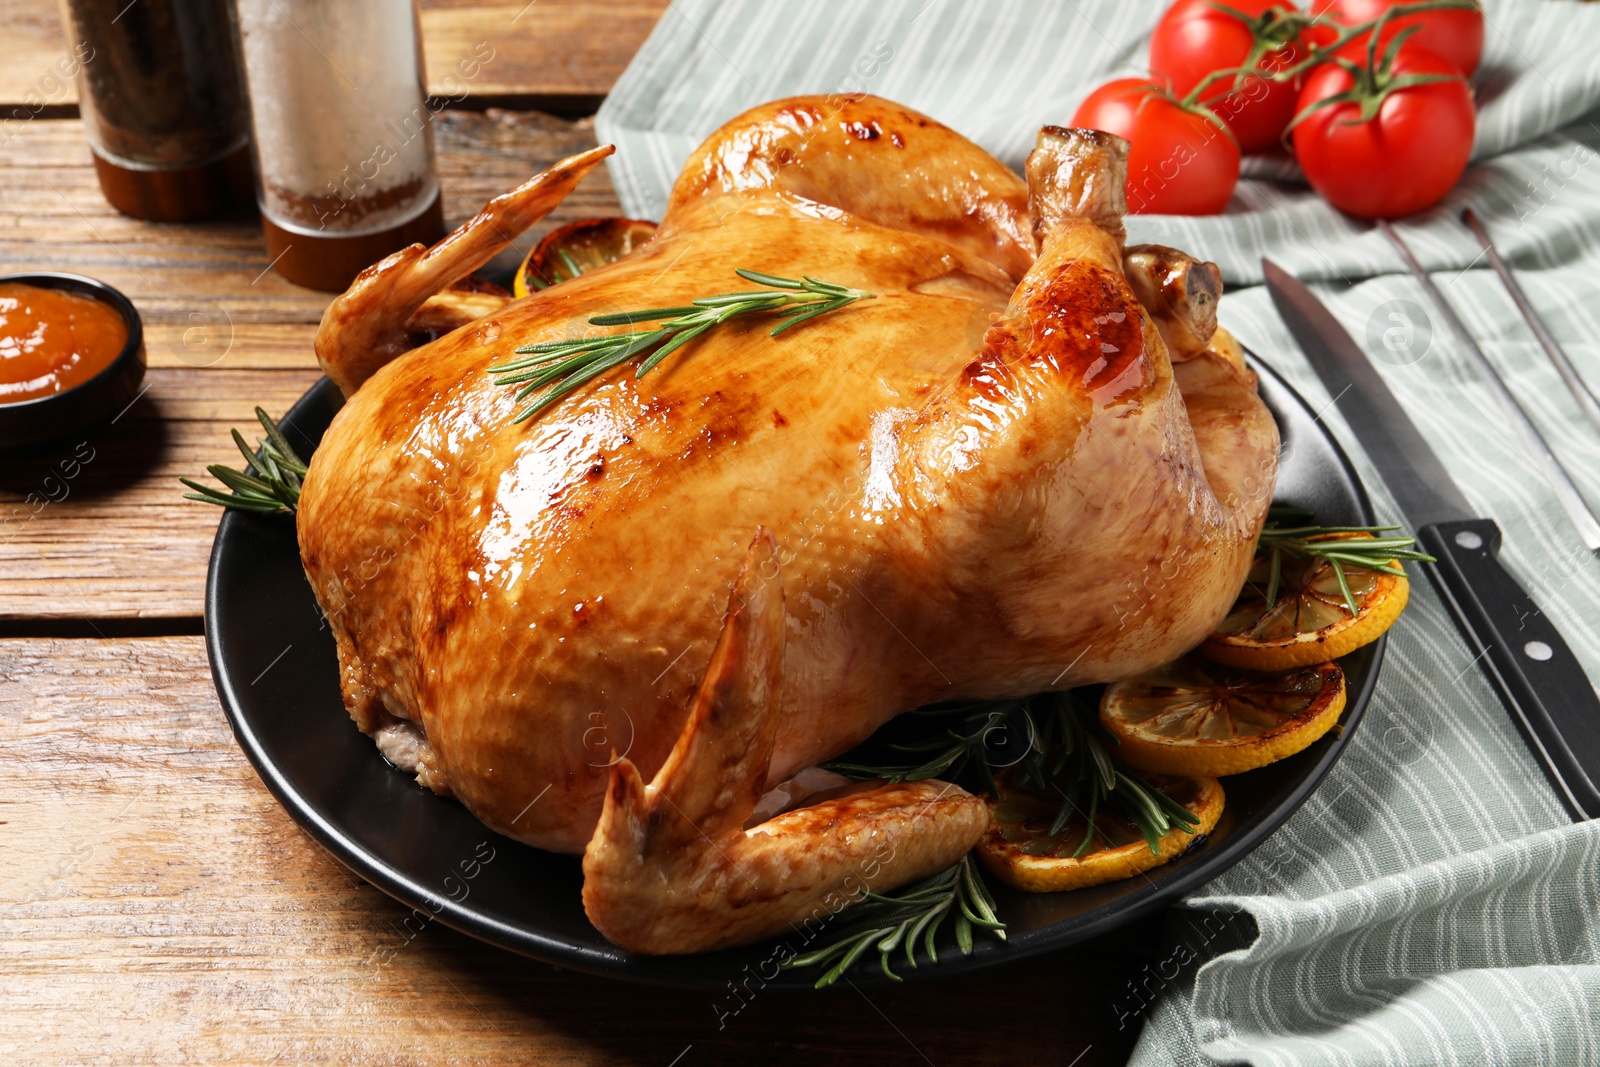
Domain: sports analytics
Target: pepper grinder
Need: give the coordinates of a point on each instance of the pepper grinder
(162, 104)
(343, 134)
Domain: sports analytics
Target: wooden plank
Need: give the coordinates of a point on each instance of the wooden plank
(557, 57)
(52, 217)
(561, 56)
(157, 907)
(36, 76)
(96, 527)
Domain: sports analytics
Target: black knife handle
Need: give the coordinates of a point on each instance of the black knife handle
(1534, 672)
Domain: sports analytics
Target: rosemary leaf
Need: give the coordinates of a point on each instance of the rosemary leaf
(860, 945)
(804, 316)
(207, 495)
(776, 282)
(1152, 821)
(976, 903)
(238, 481)
(1275, 578)
(573, 270)
(619, 318)
(1088, 822)
(930, 937)
(1176, 812)
(925, 931)
(283, 452)
(963, 933)
(1344, 585)
(1102, 762)
(670, 347)
(727, 300)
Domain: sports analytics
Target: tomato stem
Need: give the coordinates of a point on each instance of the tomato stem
(1374, 81)
(1277, 30)
(1189, 104)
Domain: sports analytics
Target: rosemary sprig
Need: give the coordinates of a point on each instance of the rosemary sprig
(1062, 757)
(559, 367)
(1375, 553)
(274, 487)
(910, 920)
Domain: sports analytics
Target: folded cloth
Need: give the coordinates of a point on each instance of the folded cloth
(1431, 903)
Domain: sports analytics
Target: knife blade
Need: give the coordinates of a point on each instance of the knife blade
(1528, 664)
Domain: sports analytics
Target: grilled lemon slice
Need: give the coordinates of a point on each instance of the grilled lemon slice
(1309, 619)
(577, 248)
(1202, 719)
(1020, 850)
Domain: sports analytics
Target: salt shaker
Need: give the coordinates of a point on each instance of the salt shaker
(162, 104)
(343, 137)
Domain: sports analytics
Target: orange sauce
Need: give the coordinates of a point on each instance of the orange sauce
(51, 340)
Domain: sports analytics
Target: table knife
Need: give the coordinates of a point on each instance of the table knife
(1530, 667)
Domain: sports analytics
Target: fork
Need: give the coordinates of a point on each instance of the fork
(1566, 490)
(1569, 374)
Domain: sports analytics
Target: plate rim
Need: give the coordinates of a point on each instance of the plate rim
(378, 872)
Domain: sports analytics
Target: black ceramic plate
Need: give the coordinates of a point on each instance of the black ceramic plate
(273, 659)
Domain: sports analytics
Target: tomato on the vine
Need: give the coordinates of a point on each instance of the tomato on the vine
(1182, 162)
(1392, 139)
(1455, 34)
(1197, 38)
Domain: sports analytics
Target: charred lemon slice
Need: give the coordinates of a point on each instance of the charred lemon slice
(577, 248)
(1020, 850)
(1206, 720)
(1302, 616)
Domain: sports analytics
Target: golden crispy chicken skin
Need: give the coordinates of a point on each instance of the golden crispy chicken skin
(986, 481)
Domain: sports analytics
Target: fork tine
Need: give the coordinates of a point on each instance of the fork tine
(1579, 388)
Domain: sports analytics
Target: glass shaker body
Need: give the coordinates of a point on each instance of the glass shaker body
(162, 104)
(343, 133)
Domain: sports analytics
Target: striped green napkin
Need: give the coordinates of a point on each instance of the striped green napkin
(1431, 903)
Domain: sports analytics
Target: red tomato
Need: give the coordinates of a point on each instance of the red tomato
(1456, 35)
(1198, 37)
(1406, 158)
(1181, 163)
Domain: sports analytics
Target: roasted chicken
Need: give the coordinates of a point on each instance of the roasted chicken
(632, 626)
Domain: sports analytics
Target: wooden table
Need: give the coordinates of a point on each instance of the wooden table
(156, 905)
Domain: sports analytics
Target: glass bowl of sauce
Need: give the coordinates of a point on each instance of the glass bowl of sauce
(71, 355)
